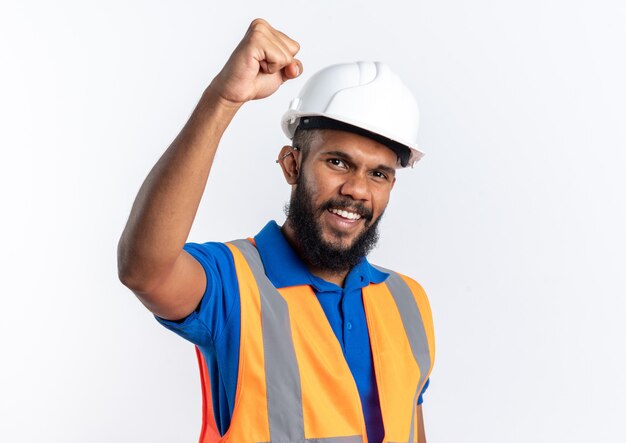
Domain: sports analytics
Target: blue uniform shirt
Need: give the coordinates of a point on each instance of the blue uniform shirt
(215, 325)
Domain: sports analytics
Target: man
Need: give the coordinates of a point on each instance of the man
(298, 337)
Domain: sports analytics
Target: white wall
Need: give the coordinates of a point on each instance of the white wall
(514, 221)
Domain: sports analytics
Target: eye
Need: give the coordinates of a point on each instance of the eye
(380, 175)
(337, 162)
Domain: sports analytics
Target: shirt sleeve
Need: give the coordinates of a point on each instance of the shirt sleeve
(420, 399)
(206, 323)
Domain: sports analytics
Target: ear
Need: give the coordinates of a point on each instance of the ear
(289, 161)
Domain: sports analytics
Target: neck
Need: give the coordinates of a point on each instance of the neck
(335, 277)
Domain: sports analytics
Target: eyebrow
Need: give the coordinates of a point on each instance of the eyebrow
(343, 155)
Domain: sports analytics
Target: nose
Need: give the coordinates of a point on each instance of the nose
(356, 186)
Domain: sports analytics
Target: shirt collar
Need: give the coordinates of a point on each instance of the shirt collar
(285, 268)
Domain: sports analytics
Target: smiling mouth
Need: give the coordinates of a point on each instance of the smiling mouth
(348, 215)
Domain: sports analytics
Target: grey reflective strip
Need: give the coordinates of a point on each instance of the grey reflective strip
(282, 377)
(349, 439)
(417, 393)
(414, 327)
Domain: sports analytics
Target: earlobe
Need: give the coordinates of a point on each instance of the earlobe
(289, 159)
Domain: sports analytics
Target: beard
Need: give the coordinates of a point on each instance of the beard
(333, 256)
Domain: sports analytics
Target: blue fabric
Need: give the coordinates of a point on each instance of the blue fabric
(215, 325)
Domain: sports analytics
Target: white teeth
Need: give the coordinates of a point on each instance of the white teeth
(346, 214)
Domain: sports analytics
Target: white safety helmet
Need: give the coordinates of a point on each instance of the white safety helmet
(366, 98)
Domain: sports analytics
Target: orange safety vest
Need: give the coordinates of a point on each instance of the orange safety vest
(294, 384)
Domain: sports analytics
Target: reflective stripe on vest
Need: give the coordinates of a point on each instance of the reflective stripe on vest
(415, 330)
(294, 384)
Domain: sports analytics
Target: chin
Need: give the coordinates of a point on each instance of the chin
(341, 241)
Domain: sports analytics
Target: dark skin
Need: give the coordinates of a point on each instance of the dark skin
(341, 164)
(151, 259)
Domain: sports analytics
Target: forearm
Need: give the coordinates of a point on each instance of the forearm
(421, 433)
(166, 205)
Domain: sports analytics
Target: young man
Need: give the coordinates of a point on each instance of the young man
(298, 337)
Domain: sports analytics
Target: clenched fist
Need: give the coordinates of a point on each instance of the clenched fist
(262, 61)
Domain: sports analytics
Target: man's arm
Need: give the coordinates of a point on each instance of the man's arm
(151, 259)
(421, 433)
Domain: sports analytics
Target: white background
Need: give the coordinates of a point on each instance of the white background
(514, 221)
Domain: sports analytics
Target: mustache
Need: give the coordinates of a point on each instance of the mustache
(348, 205)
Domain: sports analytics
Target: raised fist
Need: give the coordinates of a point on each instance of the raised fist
(262, 61)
